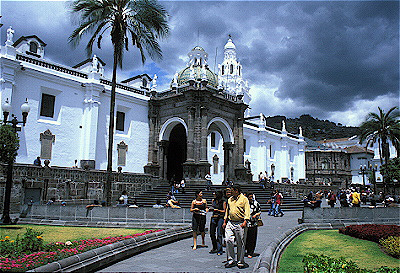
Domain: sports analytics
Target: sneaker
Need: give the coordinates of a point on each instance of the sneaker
(242, 265)
(213, 251)
(219, 253)
(229, 265)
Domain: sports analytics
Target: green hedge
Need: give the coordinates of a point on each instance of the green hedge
(391, 246)
(324, 264)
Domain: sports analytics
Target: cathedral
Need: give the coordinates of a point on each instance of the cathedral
(202, 124)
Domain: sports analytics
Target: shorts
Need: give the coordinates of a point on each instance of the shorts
(198, 222)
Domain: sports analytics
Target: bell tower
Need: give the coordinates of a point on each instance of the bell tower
(230, 75)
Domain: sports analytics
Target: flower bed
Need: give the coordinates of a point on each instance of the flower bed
(24, 260)
(371, 232)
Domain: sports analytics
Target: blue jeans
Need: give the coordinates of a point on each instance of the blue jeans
(278, 209)
(271, 211)
(216, 233)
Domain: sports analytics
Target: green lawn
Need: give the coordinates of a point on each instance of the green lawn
(334, 244)
(63, 234)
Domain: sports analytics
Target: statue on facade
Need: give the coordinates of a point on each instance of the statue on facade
(10, 36)
(95, 64)
(283, 126)
(154, 83)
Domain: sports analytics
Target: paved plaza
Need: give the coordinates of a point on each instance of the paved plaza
(179, 256)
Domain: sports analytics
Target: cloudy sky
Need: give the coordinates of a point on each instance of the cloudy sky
(336, 60)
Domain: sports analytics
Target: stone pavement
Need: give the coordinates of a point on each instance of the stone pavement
(179, 256)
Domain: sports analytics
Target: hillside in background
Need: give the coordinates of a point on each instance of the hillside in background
(313, 128)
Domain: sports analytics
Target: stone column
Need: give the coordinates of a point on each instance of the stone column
(228, 166)
(203, 136)
(163, 144)
(91, 121)
(190, 139)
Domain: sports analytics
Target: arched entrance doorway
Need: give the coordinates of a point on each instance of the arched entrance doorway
(176, 154)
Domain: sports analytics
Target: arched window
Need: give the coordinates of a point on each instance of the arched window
(33, 47)
(144, 82)
(240, 70)
(223, 70)
(231, 68)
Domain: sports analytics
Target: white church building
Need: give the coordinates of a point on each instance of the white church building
(69, 115)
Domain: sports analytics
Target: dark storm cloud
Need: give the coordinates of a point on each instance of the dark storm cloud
(323, 56)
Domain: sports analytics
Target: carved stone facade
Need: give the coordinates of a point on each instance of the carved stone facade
(198, 109)
(328, 167)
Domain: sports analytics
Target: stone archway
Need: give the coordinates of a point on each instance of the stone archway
(222, 127)
(176, 152)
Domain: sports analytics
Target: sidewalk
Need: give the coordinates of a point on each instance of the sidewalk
(179, 257)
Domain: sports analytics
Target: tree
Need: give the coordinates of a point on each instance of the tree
(381, 128)
(391, 170)
(138, 22)
(9, 144)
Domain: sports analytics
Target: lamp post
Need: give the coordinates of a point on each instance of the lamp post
(363, 169)
(6, 108)
(373, 169)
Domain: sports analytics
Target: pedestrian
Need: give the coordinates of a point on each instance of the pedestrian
(356, 200)
(183, 185)
(218, 207)
(271, 211)
(37, 161)
(208, 179)
(278, 202)
(343, 199)
(199, 210)
(237, 216)
(331, 199)
(252, 226)
(124, 196)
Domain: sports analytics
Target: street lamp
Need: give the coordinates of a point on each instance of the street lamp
(363, 169)
(6, 108)
(373, 169)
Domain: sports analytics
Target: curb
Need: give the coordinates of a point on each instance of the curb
(103, 256)
(269, 258)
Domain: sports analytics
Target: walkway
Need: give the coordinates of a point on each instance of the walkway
(179, 257)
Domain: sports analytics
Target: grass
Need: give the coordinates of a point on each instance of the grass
(63, 234)
(331, 243)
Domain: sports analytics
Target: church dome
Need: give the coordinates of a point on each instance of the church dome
(198, 64)
(184, 76)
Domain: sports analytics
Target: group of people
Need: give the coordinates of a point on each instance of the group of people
(235, 217)
(346, 198)
(276, 202)
(177, 187)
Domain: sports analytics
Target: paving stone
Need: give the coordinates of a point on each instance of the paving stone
(178, 256)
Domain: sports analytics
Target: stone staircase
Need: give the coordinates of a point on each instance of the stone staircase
(149, 197)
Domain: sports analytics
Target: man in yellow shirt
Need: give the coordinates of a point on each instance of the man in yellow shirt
(235, 223)
(356, 200)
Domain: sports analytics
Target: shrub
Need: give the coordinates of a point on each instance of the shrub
(391, 245)
(325, 264)
(371, 232)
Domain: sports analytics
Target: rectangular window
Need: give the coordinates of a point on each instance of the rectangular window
(120, 126)
(213, 144)
(47, 106)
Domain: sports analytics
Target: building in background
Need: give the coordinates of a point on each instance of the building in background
(201, 124)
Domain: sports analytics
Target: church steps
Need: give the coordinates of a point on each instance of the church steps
(150, 197)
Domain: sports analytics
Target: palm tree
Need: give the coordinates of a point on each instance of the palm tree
(381, 127)
(138, 22)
